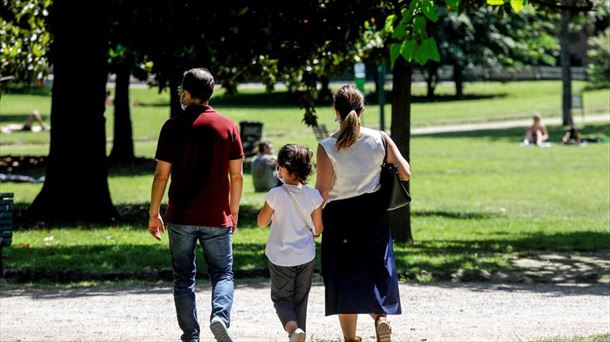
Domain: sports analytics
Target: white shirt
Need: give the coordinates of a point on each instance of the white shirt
(358, 167)
(290, 242)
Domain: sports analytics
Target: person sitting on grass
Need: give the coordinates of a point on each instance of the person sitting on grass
(571, 137)
(28, 125)
(536, 133)
(263, 168)
(295, 213)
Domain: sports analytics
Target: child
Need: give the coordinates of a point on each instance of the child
(296, 210)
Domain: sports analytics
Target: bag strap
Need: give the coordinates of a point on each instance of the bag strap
(300, 212)
(385, 147)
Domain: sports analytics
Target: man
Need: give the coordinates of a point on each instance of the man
(263, 168)
(202, 150)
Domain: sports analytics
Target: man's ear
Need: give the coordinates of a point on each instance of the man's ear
(186, 96)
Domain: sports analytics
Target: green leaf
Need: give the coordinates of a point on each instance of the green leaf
(517, 5)
(419, 23)
(389, 23)
(426, 51)
(495, 2)
(400, 32)
(429, 9)
(408, 48)
(394, 53)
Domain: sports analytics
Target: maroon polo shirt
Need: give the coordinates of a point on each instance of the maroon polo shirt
(199, 144)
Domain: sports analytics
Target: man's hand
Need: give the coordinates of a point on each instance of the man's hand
(156, 226)
(234, 218)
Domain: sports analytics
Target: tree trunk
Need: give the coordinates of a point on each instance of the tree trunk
(325, 95)
(76, 184)
(400, 219)
(566, 74)
(431, 79)
(122, 143)
(458, 78)
(174, 100)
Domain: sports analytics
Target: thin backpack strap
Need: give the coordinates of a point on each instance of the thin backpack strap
(299, 211)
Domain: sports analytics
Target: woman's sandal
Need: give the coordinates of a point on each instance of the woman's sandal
(357, 339)
(383, 330)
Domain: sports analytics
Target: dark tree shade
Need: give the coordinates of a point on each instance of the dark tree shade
(76, 186)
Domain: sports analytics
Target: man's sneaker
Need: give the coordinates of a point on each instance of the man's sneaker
(297, 335)
(219, 329)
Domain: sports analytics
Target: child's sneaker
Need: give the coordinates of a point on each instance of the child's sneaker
(297, 336)
(219, 329)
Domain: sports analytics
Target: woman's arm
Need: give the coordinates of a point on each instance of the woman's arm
(316, 217)
(394, 157)
(264, 216)
(325, 174)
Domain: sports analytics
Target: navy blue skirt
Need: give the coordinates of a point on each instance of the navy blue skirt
(357, 257)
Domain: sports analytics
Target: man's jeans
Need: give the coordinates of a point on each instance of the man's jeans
(218, 253)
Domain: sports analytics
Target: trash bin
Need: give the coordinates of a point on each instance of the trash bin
(251, 132)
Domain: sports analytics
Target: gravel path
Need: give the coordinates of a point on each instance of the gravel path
(436, 312)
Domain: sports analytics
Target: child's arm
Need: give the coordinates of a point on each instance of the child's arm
(264, 216)
(316, 216)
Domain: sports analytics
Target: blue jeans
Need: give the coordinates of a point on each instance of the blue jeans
(218, 253)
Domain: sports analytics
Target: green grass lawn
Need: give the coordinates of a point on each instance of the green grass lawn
(479, 198)
(593, 338)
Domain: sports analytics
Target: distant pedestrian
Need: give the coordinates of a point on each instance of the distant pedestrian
(202, 150)
(295, 213)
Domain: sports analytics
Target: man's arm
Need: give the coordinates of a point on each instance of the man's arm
(155, 222)
(236, 184)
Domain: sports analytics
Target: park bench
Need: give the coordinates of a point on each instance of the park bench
(6, 225)
(321, 132)
(251, 133)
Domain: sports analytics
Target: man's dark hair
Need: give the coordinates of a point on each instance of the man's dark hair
(262, 145)
(297, 160)
(199, 82)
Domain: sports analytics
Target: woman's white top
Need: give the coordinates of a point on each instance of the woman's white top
(290, 242)
(358, 167)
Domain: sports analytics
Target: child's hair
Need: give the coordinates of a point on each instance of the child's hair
(297, 160)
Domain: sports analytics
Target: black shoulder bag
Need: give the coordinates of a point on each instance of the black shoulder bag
(393, 189)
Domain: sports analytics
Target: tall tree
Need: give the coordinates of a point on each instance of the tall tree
(76, 185)
(566, 72)
(401, 134)
(567, 9)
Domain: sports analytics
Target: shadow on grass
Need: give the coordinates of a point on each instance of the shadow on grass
(285, 99)
(462, 260)
(516, 134)
(371, 98)
(18, 118)
(129, 214)
(455, 214)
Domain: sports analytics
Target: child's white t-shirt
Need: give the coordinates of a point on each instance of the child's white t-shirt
(291, 242)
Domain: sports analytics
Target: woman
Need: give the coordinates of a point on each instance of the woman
(357, 258)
